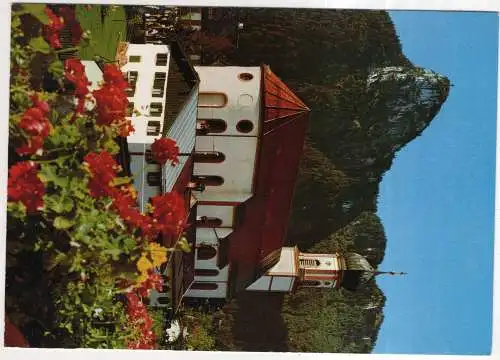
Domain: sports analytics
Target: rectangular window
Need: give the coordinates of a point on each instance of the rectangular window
(211, 13)
(149, 157)
(154, 178)
(155, 109)
(153, 128)
(130, 109)
(159, 84)
(132, 77)
(134, 59)
(161, 59)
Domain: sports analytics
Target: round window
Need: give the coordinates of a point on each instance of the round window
(244, 126)
(245, 76)
(327, 283)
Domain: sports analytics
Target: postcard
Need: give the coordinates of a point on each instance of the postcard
(251, 179)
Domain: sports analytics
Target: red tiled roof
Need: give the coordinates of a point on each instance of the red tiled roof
(265, 220)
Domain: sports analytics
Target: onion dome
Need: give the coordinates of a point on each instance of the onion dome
(357, 273)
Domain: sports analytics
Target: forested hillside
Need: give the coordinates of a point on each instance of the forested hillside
(368, 101)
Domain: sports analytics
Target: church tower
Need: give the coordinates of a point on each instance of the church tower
(293, 269)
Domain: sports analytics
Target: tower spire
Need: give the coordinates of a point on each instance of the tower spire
(389, 273)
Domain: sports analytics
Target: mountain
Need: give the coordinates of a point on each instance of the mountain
(368, 101)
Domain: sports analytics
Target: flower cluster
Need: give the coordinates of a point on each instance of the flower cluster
(168, 215)
(140, 319)
(35, 124)
(52, 29)
(169, 211)
(74, 71)
(112, 102)
(103, 169)
(165, 149)
(25, 186)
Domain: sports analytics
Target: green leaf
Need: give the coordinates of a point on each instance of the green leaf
(38, 11)
(115, 253)
(60, 257)
(56, 68)
(17, 209)
(62, 223)
(184, 245)
(111, 146)
(40, 45)
(121, 180)
(48, 173)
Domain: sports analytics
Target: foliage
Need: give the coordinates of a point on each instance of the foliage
(80, 255)
(107, 26)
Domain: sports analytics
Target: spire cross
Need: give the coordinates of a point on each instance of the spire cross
(390, 273)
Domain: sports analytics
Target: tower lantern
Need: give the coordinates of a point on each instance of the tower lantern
(320, 270)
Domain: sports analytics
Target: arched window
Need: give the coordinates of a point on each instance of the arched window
(209, 157)
(311, 283)
(204, 286)
(244, 126)
(208, 180)
(205, 252)
(212, 100)
(205, 221)
(206, 272)
(210, 126)
(154, 178)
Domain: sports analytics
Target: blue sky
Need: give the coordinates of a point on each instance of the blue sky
(437, 201)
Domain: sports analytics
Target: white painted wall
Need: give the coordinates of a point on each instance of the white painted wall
(221, 277)
(206, 236)
(287, 263)
(219, 293)
(225, 213)
(94, 74)
(225, 79)
(139, 169)
(237, 169)
(142, 98)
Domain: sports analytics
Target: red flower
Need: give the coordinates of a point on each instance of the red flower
(111, 102)
(113, 76)
(153, 282)
(169, 211)
(74, 71)
(31, 146)
(40, 104)
(127, 128)
(36, 125)
(140, 319)
(25, 186)
(103, 169)
(51, 30)
(165, 149)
